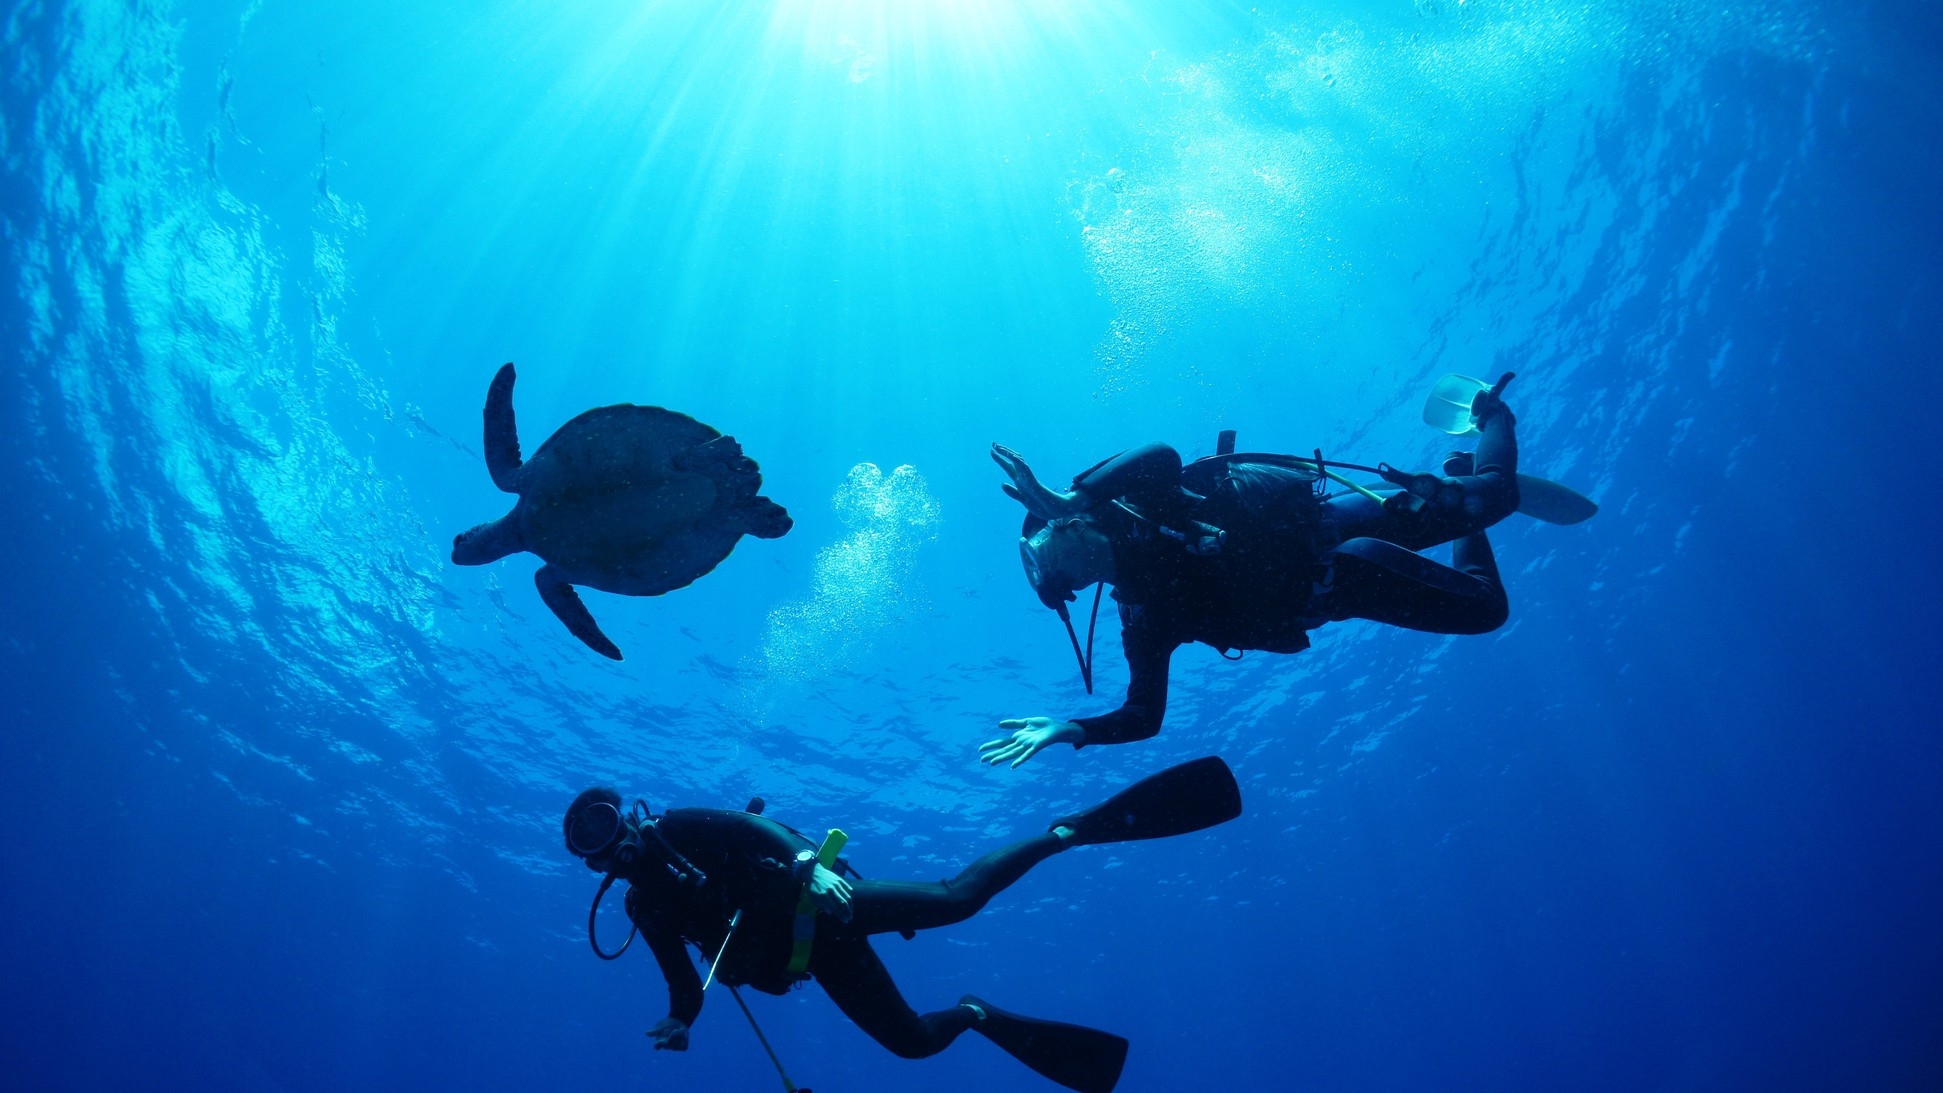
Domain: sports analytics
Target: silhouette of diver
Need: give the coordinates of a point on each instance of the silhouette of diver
(1239, 552)
(773, 912)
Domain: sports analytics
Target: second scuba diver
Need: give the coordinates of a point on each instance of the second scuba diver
(768, 911)
(1240, 552)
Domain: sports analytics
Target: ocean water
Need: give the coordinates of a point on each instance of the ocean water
(281, 786)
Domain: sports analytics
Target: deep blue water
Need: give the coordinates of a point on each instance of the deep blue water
(282, 786)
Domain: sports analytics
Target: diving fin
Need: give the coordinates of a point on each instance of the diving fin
(1448, 409)
(1188, 797)
(1544, 499)
(1079, 1058)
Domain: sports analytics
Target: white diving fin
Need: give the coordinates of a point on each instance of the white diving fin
(1448, 409)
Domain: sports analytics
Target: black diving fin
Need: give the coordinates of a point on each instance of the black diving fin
(1188, 797)
(1538, 498)
(1544, 499)
(1079, 1058)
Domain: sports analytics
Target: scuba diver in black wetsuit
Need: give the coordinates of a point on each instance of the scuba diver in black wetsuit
(767, 909)
(1240, 552)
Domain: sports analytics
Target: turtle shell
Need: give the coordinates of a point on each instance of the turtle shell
(637, 500)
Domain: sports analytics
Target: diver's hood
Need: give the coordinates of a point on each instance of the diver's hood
(1052, 588)
(1055, 591)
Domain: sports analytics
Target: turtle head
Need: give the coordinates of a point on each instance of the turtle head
(489, 542)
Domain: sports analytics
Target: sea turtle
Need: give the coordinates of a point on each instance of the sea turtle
(635, 500)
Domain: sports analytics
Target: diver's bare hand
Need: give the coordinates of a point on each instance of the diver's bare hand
(669, 1035)
(1030, 736)
(1027, 490)
(830, 893)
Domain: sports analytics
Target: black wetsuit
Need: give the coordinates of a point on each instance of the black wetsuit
(1352, 559)
(746, 860)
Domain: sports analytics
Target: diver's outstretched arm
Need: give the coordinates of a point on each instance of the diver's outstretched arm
(1025, 488)
(1149, 475)
(1030, 736)
(1136, 719)
(684, 988)
(1149, 655)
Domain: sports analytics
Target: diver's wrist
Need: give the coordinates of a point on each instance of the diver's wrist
(803, 869)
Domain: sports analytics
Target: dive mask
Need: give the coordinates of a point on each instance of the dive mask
(600, 832)
(1035, 553)
(1053, 588)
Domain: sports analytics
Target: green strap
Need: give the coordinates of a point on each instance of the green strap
(803, 935)
(1364, 490)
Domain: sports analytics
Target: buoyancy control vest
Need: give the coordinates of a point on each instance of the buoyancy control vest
(1243, 571)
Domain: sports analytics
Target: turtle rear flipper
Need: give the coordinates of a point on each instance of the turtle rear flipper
(565, 602)
(502, 436)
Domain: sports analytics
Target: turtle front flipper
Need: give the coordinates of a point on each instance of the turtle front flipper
(565, 602)
(502, 436)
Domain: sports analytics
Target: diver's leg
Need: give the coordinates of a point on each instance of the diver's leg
(1355, 516)
(1497, 443)
(882, 906)
(857, 981)
(1472, 556)
(1382, 582)
(1486, 493)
